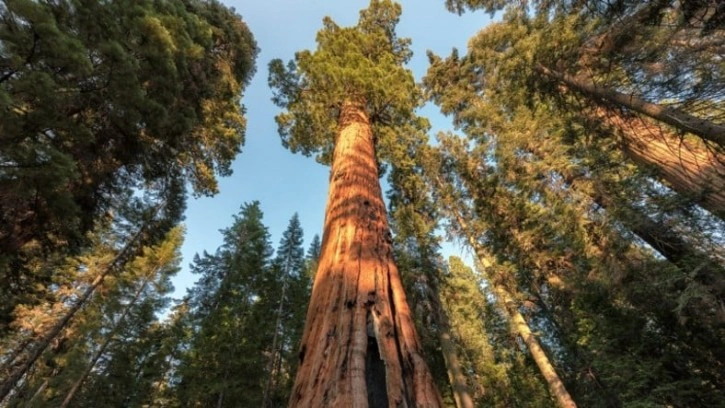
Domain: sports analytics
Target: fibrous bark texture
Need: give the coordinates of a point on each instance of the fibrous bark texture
(359, 327)
(688, 166)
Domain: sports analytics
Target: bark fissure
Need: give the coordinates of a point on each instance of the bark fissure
(375, 370)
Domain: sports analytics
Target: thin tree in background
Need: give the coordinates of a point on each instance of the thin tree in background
(145, 228)
(153, 271)
(289, 269)
(414, 219)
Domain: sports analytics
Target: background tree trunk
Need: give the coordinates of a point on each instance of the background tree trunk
(461, 391)
(679, 120)
(520, 326)
(19, 369)
(690, 168)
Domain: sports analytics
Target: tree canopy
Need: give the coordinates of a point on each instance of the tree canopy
(364, 64)
(101, 100)
(584, 184)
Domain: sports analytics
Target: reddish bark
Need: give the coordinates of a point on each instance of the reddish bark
(689, 167)
(359, 347)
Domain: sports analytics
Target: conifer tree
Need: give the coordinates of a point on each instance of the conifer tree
(350, 101)
(571, 262)
(129, 360)
(141, 223)
(230, 318)
(119, 317)
(414, 219)
(98, 99)
(490, 345)
(566, 56)
(293, 284)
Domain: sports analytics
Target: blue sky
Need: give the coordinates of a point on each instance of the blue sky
(283, 182)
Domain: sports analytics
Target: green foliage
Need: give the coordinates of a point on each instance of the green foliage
(564, 253)
(363, 64)
(98, 99)
(111, 348)
(293, 285)
(490, 6)
(246, 315)
(230, 324)
(501, 373)
(312, 257)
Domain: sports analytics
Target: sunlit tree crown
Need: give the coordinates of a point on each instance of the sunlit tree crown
(360, 64)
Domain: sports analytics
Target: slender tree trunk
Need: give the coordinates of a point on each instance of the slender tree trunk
(706, 267)
(461, 391)
(689, 168)
(679, 120)
(220, 397)
(520, 326)
(359, 348)
(18, 371)
(97, 356)
(274, 355)
(9, 361)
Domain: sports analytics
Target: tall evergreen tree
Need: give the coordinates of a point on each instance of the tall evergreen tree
(499, 370)
(293, 285)
(350, 101)
(230, 320)
(99, 99)
(414, 219)
(141, 224)
(600, 66)
(571, 262)
(118, 320)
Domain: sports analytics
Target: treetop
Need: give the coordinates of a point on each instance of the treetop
(362, 64)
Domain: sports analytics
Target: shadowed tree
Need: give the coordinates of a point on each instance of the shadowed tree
(99, 98)
(293, 285)
(351, 101)
(231, 318)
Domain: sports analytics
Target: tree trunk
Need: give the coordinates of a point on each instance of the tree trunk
(461, 392)
(679, 120)
(701, 266)
(662, 238)
(359, 348)
(274, 355)
(688, 167)
(520, 326)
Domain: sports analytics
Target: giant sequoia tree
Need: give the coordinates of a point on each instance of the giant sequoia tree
(350, 100)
